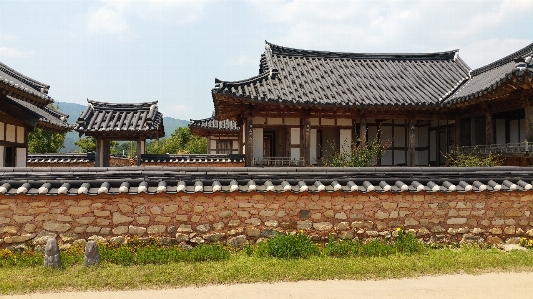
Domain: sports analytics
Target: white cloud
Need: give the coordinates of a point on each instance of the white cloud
(106, 20)
(391, 25)
(14, 52)
(483, 52)
(112, 16)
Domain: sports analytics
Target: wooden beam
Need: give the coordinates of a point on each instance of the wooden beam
(411, 146)
(305, 132)
(248, 140)
(489, 130)
(362, 133)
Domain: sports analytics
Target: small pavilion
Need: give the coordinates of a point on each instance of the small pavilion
(116, 121)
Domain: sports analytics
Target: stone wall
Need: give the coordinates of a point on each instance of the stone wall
(196, 218)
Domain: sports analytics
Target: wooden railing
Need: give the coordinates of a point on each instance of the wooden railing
(278, 161)
(520, 148)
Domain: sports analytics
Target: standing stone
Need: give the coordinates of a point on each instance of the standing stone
(92, 255)
(52, 258)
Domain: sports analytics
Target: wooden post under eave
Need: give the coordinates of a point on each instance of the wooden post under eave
(528, 121)
(354, 134)
(98, 155)
(489, 131)
(412, 142)
(362, 134)
(458, 133)
(305, 140)
(139, 151)
(249, 140)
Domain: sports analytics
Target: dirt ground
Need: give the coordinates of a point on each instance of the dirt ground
(490, 285)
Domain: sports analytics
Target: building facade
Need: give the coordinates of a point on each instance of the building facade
(305, 105)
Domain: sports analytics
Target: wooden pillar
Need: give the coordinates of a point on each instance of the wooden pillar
(305, 139)
(411, 146)
(458, 133)
(139, 151)
(105, 153)
(240, 123)
(98, 154)
(489, 131)
(528, 121)
(362, 133)
(249, 140)
(354, 134)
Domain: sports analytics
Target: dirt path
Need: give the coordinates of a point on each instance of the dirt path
(491, 285)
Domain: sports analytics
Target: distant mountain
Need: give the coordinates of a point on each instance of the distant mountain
(74, 110)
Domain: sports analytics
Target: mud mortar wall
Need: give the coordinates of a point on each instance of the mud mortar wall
(197, 218)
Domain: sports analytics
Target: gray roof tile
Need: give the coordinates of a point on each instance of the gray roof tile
(23, 83)
(46, 117)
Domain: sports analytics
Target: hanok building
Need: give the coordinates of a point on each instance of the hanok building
(222, 135)
(107, 122)
(305, 105)
(24, 105)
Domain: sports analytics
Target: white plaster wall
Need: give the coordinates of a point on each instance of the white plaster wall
(259, 120)
(20, 134)
(327, 122)
(313, 145)
(315, 121)
(344, 122)
(292, 121)
(275, 121)
(345, 140)
(235, 146)
(10, 133)
(2, 131)
(1, 156)
(500, 131)
(295, 135)
(21, 157)
(213, 146)
(258, 142)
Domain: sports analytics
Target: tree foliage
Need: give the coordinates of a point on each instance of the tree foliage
(461, 159)
(45, 141)
(88, 144)
(358, 155)
(180, 142)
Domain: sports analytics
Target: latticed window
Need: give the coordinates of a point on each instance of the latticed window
(224, 146)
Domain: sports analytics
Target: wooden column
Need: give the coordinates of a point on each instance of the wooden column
(240, 123)
(249, 140)
(528, 121)
(458, 133)
(411, 146)
(105, 153)
(354, 134)
(362, 133)
(139, 151)
(305, 140)
(98, 154)
(489, 131)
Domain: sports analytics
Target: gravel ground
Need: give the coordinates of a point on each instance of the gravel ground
(484, 286)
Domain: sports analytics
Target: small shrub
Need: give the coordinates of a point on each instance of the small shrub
(358, 155)
(526, 243)
(288, 247)
(342, 248)
(460, 159)
(406, 243)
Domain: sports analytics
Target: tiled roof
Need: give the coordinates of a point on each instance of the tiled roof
(489, 77)
(211, 124)
(61, 158)
(315, 78)
(152, 180)
(116, 118)
(171, 158)
(25, 84)
(47, 117)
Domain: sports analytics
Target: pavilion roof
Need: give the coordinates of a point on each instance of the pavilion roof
(204, 126)
(121, 120)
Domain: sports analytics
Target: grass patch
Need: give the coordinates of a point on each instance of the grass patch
(138, 266)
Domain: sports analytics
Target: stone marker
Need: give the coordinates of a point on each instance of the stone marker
(92, 255)
(51, 254)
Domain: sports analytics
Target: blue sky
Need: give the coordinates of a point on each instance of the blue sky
(171, 51)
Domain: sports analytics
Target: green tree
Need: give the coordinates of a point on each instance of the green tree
(180, 142)
(88, 144)
(45, 141)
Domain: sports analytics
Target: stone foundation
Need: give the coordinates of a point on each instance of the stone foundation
(196, 218)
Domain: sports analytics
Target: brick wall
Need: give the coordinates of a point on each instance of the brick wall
(196, 218)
